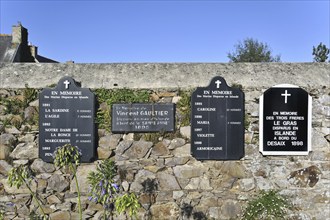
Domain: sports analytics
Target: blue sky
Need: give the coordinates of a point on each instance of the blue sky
(167, 31)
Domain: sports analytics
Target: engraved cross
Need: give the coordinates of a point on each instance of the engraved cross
(218, 82)
(66, 83)
(286, 94)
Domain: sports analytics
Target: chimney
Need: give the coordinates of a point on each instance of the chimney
(20, 34)
(34, 51)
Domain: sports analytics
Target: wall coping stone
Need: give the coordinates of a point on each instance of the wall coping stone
(165, 75)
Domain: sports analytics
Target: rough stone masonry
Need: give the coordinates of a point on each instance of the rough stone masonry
(185, 188)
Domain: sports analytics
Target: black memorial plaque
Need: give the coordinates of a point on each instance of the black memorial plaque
(285, 121)
(217, 122)
(66, 116)
(142, 117)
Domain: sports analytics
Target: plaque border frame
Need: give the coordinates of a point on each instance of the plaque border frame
(309, 126)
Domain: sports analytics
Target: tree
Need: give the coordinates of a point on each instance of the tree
(252, 51)
(320, 53)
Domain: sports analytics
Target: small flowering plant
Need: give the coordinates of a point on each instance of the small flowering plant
(20, 175)
(104, 193)
(268, 205)
(69, 155)
(103, 189)
(128, 203)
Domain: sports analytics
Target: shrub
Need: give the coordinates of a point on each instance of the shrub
(268, 205)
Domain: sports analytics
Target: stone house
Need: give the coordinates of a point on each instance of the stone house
(15, 48)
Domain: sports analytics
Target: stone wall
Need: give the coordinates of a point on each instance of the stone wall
(165, 75)
(183, 188)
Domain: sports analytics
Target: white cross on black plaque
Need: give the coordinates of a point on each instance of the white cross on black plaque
(286, 94)
(218, 83)
(66, 83)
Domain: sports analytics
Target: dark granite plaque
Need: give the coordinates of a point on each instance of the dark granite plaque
(285, 121)
(217, 122)
(66, 116)
(142, 117)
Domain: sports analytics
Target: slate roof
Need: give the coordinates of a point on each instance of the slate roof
(42, 59)
(12, 52)
(7, 50)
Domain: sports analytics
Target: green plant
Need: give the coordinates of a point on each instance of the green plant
(122, 95)
(237, 85)
(2, 215)
(127, 203)
(268, 205)
(252, 50)
(34, 216)
(184, 108)
(69, 155)
(186, 210)
(29, 95)
(16, 105)
(5, 122)
(35, 119)
(246, 121)
(152, 137)
(103, 117)
(12, 106)
(150, 186)
(20, 175)
(104, 190)
(102, 187)
(53, 85)
(320, 53)
(102, 94)
(199, 216)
